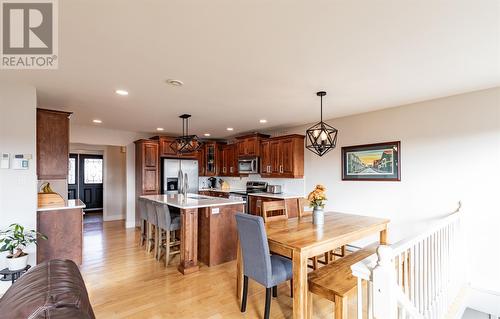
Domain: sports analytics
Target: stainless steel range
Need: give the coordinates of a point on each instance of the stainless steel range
(251, 187)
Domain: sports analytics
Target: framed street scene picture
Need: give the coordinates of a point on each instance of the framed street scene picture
(372, 162)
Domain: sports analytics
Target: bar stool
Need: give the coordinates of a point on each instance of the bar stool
(152, 226)
(167, 225)
(143, 215)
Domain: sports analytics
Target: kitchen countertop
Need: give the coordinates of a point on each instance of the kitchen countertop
(231, 190)
(278, 196)
(69, 204)
(193, 200)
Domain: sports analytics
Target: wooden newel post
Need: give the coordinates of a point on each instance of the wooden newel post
(383, 277)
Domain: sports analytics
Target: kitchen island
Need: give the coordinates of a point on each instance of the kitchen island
(62, 224)
(208, 225)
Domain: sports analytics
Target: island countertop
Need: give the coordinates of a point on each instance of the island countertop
(192, 200)
(69, 204)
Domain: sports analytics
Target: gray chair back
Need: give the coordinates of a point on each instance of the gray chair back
(164, 219)
(143, 213)
(150, 208)
(254, 248)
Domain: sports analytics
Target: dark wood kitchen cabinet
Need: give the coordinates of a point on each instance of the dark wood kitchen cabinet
(228, 160)
(165, 150)
(211, 161)
(147, 167)
(249, 145)
(52, 144)
(283, 157)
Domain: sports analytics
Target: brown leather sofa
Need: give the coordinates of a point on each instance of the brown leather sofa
(53, 289)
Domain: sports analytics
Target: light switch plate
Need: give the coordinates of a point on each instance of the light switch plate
(215, 211)
(5, 161)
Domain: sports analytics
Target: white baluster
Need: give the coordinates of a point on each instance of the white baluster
(384, 298)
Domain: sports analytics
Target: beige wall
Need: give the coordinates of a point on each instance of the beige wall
(114, 183)
(18, 189)
(450, 152)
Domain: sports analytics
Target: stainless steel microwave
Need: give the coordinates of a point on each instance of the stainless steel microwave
(248, 165)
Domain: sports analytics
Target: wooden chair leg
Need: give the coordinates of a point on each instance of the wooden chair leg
(245, 293)
(159, 245)
(167, 248)
(343, 251)
(341, 307)
(315, 262)
(157, 238)
(141, 239)
(327, 258)
(149, 236)
(267, 309)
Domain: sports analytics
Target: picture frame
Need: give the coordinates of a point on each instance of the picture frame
(372, 162)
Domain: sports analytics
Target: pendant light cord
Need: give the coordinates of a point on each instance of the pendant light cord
(321, 108)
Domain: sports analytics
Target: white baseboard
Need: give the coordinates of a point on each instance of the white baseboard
(484, 300)
(130, 224)
(112, 217)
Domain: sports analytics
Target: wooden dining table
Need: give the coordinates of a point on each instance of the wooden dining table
(298, 239)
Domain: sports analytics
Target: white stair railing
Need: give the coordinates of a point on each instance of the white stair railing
(418, 277)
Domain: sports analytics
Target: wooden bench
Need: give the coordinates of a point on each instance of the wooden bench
(335, 280)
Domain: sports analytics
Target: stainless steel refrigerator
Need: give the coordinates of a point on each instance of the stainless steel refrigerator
(170, 171)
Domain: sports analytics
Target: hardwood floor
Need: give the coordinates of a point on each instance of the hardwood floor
(125, 282)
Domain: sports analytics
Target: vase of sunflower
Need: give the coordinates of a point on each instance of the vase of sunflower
(317, 199)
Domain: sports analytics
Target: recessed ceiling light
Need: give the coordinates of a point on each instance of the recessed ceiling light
(262, 121)
(206, 134)
(121, 92)
(159, 128)
(174, 82)
(230, 129)
(97, 121)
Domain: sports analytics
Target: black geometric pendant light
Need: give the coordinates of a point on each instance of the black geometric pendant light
(321, 137)
(185, 143)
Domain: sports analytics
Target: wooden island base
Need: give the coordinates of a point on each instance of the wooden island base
(210, 233)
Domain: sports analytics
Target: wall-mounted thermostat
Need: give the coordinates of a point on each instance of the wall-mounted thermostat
(4, 160)
(21, 161)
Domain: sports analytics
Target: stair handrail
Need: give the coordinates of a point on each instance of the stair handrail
(386, 298)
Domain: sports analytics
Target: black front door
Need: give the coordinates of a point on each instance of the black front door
(73, 177)
(90, 180)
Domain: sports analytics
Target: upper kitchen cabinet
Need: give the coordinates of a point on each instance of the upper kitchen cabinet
(166, 151)
(228, 160)
(283, 157)
(147, 167)
(210, 159)
(249, 145)
(52, 144)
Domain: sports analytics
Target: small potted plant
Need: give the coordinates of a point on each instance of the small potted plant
(317, 199)
(14, 240)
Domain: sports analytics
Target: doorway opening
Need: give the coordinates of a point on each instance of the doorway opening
(85, 181)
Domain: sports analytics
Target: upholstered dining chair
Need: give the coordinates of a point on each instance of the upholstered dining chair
(152, 226)
(258, 263)
(143, 215)
(168, 224)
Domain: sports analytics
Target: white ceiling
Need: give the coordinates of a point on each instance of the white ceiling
(246, 60)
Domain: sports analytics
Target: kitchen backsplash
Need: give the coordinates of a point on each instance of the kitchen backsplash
(289, 185)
